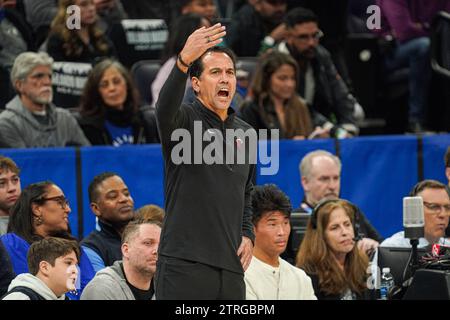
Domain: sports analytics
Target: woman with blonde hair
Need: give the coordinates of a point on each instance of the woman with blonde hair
(329, 254)
(87, 43)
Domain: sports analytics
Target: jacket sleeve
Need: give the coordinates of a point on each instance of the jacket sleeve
(399, 18)
(100, 289)
(10, 136)
(344, 105)
(55, 47)
(76, 136)
(6, 271)
(247, 225)
(40, 13)
(168, 113)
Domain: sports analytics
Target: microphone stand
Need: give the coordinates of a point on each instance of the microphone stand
(414, 264)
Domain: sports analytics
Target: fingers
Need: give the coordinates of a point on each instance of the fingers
(246, 262)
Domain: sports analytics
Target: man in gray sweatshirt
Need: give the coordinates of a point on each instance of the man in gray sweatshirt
(131, 278)
(30, 118)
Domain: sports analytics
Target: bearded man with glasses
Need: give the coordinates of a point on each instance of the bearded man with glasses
(319, 83)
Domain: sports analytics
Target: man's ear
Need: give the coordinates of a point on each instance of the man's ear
(124, 249)
(44, 268)
(18, 85)
(195, 82)
(304, 182)
(95, 209)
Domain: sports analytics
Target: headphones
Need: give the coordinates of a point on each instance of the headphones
(356, 218)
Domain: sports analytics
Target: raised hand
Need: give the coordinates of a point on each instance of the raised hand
(198, 42)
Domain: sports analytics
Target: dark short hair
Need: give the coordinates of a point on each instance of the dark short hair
(447, 158)
(196, 69)
(98, 179)
(49, 249)
(300, 15)
(269, 198)
(426, 184)
(8, 164)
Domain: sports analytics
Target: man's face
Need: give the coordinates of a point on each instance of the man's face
(114, 203)
(63, 275)
(272, 233)
(36, 88)
(216, 85)
(142, 250)
(304, 38)
(205, 8)
(9, 190)
(436, 205)
(272, 10)
(324, 180)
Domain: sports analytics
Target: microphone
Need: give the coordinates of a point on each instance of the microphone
(413, 217)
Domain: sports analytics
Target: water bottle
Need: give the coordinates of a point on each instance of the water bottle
(387, 282)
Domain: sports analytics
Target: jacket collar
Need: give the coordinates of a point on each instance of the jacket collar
(212, 116)
(108, 229)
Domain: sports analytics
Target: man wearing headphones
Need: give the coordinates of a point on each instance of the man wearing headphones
(436, 205)
(320, 173)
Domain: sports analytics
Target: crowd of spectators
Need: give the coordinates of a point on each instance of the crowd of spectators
(300, 84)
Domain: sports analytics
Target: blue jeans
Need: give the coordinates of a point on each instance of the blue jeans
(414, 54)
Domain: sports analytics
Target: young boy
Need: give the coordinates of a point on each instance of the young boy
(52, 263)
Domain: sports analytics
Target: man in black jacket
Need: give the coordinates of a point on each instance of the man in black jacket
(207, 237)
(113, 205)
(320, 84)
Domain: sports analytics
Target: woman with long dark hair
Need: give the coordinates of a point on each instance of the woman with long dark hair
(41, 211)
(110, 113)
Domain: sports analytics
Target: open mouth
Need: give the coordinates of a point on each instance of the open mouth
(223, 93)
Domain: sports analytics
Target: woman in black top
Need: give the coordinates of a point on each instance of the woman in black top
(83, 43)
(110, 113)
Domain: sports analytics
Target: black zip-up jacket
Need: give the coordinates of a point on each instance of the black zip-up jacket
(106, 243)
(208, 207)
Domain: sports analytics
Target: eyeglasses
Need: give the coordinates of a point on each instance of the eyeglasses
(437, 208)
(61, 200)
(40, 76)
(305, 37)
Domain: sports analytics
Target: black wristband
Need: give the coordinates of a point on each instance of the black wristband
(182, 62)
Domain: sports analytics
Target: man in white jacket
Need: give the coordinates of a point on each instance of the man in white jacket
(53, 272)
(269, 277)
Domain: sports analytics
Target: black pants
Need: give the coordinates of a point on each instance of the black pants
(178, 279)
